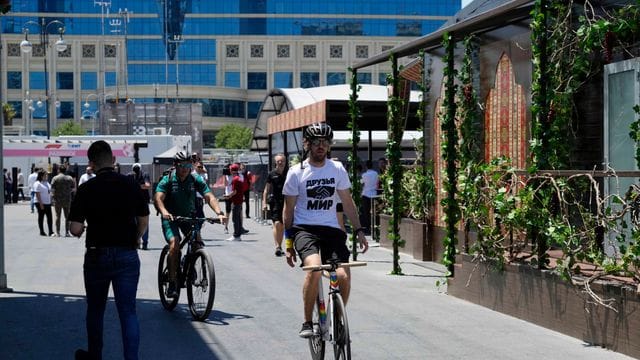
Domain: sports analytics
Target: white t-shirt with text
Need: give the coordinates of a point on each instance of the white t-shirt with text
(316, 191)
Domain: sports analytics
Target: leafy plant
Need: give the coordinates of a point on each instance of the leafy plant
(69, 127)
(232, 136)
(8, 113)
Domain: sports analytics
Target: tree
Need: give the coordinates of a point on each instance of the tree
(8, 113)
(69, 128)
(233, 136)
(5, 6)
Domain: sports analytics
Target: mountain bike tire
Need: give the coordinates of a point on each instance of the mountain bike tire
(163, 281)
(201, 285)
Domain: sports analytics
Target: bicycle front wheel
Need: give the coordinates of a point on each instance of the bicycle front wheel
(163, 281)
(201, 285)
(316, 342)
(340, 336)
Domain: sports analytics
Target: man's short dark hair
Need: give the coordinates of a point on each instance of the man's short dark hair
(369, 164)
(100, 152)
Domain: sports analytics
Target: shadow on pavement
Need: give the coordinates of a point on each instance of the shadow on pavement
(52, 326)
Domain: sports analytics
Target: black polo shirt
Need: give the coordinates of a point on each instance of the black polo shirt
(109, 203)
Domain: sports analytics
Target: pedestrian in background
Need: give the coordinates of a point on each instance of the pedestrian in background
(273, 199)
(62, 188)
(116, 216)
(237, 197)
(21, 184)
(141, 179)
(31, 180)
(247, 179)
(369, 191)
(42, 190)
(86, 176)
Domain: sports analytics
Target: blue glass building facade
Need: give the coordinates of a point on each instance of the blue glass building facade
(223, 54)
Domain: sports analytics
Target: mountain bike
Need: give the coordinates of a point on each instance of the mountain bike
(195, 272)
(331, 326)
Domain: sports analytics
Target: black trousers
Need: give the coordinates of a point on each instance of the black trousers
(41, 214)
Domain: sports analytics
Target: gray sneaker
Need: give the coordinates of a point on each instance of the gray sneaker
(307, 330)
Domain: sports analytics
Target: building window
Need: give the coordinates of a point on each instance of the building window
(364, 78)
(362, 51)
(64, 81)
(110, 51)
(335, 51)
(14, 80)
(309, 51)
(257, 80)
(13, 50)
(110, 78)
(88, 80)
(36, 80)
(309, 79)
(65, 110)
(233, 51)
(232, 79)
(282, 79)
(336, 78)
(382, 79)
(88, 51)
(253, 108)
(284, 51)
(257, 51)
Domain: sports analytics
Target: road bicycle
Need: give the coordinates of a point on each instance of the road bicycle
(195, 272)
(331, 326)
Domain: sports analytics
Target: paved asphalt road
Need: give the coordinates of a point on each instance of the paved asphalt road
(258, 310)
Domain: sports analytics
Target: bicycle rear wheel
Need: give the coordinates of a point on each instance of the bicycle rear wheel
(163, 281)
(341, 338)
(316, 342)
(201, 285)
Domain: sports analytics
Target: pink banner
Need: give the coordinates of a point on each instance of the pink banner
(59, 150)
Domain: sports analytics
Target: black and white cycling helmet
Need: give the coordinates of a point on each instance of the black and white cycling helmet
(181, 156)
(318, 130)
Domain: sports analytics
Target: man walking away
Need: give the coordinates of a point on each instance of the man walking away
(116, 216)
(31, 180)
(62, 187)
(369, 192)
(141, 179)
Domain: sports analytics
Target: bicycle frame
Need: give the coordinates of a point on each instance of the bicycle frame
(326, 325)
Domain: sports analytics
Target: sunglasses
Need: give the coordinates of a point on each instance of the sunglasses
(318, 142)
(184, 165)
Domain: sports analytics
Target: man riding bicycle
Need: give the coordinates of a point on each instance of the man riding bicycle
(176, 196)
(312, 190)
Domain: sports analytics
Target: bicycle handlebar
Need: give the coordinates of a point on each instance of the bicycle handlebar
(330, 266)
(188, 219)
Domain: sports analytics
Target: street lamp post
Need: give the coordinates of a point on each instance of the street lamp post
(61, 46)
(28, 101)
(176, 39)
(101, 98)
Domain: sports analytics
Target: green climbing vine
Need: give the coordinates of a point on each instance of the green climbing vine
(449, 152)
(353, 159)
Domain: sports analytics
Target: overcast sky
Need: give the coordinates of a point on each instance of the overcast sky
(465, 2)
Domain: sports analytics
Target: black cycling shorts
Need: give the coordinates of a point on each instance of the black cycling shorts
(330, 242)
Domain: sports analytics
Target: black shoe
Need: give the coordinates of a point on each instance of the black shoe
(307, 330)
(171, 290)
(82, 355)
(279, 251)
(42, 234)
(245, 231)
(248, 217)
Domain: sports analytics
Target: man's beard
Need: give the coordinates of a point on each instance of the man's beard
(315, 157)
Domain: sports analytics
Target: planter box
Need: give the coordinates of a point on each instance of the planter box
(542, 298)
(415, 235)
